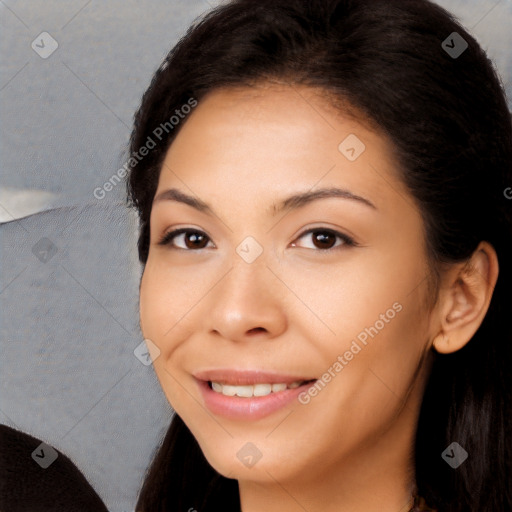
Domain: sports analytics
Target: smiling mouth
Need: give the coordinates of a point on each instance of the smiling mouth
(255, 390)
(249, 395)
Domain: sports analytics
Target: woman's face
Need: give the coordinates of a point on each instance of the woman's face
(263, 292)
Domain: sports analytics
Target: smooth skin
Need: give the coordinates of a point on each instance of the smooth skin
(298, 306)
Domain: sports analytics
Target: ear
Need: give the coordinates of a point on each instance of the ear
(466, 292)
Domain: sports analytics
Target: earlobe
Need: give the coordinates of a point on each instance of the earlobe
(465, 302)
(441, 343)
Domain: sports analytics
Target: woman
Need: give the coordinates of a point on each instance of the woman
(326, 245)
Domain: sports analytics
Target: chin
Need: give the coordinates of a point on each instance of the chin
(250, 458)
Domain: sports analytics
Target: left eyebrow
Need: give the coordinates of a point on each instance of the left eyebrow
(290, 203)
(304, 198)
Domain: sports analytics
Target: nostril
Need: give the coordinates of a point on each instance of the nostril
(255, 330)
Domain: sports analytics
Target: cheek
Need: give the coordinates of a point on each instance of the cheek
(152, 295)
(363, 398)
(363, 292)
(391, 352)
(376, 323)
(167, 296)
(159, 307)
(156, 321)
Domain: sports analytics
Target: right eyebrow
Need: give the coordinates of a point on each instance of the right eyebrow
(173, 194)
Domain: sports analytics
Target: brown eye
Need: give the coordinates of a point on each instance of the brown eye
(187, 239)
(194, 240)
(326, 239)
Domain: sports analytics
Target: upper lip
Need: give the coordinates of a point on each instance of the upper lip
(247, 377)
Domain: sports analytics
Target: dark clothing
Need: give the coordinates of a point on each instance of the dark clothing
(26, 486)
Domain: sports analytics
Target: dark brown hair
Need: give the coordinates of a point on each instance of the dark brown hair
(449, 123)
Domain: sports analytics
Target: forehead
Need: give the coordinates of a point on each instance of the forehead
(271, 140)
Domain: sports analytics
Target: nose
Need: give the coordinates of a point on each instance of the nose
(248, 303)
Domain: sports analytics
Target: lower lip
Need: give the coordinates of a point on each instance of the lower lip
(256, 407)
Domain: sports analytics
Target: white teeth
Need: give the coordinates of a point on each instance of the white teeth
(244, 391)
(256, 390)
(262, 389)
(229, 390)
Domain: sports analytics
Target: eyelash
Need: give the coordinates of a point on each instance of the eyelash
(171, 235)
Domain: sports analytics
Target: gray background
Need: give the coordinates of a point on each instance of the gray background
(69, 303)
